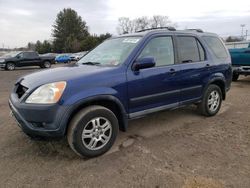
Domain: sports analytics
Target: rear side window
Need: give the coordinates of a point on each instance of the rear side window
(188, 49)
(216, 46)
(29, 54)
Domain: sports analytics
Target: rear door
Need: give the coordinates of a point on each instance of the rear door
(155, 88)
(33, 58)
(194, 67)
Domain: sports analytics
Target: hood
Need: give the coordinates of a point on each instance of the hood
(61, 74)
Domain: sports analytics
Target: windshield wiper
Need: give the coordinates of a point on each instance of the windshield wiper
(91, 63)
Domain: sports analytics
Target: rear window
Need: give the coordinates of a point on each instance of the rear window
(188, 49)
(216, 46)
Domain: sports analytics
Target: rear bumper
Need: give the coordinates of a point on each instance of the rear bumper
(39, 120)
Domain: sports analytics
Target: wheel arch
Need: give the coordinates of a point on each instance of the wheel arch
(15, 63)
(108, 101)
(221, 83)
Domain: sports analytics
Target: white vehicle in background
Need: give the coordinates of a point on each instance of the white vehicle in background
(77, 56)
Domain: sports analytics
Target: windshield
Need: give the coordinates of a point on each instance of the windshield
(11, 54)
(111, 52)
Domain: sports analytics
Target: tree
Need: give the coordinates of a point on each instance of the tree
(125, 25)
(141, 23)
(44, 47)
(38, 46)
(160, 21)
(93, 40)
(31, 46)
(233, 39)
(68, 31)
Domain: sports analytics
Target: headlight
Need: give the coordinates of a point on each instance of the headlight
(2, 60)
(47, 94)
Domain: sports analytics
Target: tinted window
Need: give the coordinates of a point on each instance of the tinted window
(30, 54)
(161, 48)
(188, 49)
(216, 46)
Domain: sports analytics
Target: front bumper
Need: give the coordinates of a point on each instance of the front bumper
(2, 65)
(242, 70)
(39, 120)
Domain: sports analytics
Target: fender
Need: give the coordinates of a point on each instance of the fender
(124, 116)
(213, 78)
(74, 97)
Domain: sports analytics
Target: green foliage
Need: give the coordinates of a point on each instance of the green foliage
(70, 35)
(44, 47)
(93, 40)
(69, 29)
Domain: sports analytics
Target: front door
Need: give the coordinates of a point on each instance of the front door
(155, 88)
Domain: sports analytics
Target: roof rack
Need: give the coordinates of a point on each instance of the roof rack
(197, 30)
(149, 29)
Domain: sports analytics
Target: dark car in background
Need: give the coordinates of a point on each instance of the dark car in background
(240, 61)
(123, 78)
(20, 59)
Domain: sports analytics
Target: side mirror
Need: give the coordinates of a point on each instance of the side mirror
(143, 63)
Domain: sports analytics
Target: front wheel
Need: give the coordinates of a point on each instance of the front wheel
(92, 131)
(211, 101)
(10, 66)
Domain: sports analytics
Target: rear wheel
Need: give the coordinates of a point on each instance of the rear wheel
(92, 131)
(235, 76)
(10, 66)
(211, 101)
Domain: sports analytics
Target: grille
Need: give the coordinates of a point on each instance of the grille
(21, 90)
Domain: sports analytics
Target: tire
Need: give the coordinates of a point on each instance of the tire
(235, 77)
(84, 121)
(212, 95)
(46, 64)
(10, 66)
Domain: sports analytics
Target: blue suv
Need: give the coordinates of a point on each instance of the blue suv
(125, 77)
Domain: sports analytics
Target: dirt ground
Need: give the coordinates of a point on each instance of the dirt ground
(177, 148)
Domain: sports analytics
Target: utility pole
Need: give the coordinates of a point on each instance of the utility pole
(242, 29)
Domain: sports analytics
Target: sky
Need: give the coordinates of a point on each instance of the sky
(23, 21)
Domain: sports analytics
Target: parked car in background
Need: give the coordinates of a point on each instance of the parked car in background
(64, 58)
(123, 78)
(74, 57)
(77, 56)
(20, 59)
(240, 61)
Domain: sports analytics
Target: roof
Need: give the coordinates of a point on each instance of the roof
(171, 30)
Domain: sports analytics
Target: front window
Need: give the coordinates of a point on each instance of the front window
(10, 54)
(111, 52)
(162, 49)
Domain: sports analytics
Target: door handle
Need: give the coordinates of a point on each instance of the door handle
(207, 65)
(172, 71)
